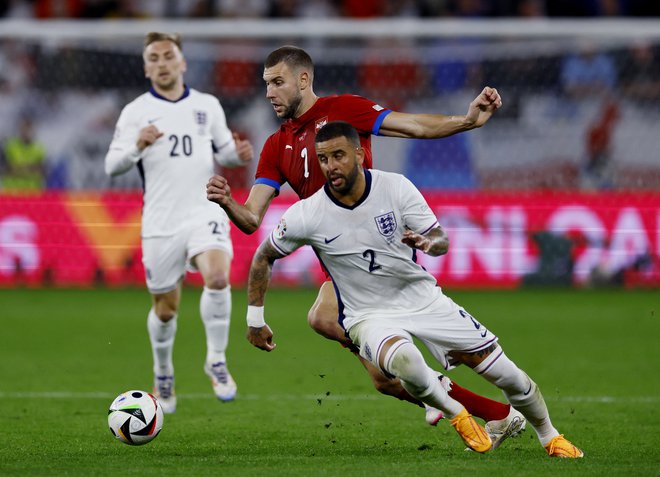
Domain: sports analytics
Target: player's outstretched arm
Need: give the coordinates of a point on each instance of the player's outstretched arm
(259, 333)
(246, 217)
(434, 243)
(433, 126)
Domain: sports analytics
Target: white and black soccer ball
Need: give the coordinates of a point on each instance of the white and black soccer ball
(135, 417)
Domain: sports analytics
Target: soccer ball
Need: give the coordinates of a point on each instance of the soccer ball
(135, 417)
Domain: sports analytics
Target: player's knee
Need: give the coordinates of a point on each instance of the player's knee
(517, 383)
(530, 393)
(316, 319)
(218, 280)
(406, 362)
(326, 325)
(312, 319)
(165, 308)
(165, 313)
(504, 374)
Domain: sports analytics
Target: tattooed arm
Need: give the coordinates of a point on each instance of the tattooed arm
(435, 242)
(259, 333)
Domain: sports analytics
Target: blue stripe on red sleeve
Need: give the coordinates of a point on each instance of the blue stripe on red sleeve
(379, 120)
(269, 182)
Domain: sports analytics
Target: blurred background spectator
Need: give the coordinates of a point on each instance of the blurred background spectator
(640, 75)
(597, 170)
(388, 70)
(24, 159)
(588, 73)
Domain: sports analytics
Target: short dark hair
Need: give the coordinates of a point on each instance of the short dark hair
(154, 36)
(292, 56)
(335, 129)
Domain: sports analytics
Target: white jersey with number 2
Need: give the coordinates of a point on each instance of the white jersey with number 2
(360, 246)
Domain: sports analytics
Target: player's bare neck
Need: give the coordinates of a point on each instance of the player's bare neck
(307, 104)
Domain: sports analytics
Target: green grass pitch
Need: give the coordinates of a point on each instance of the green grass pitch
(307, 408)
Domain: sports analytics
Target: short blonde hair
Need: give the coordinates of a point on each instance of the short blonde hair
(155, 36)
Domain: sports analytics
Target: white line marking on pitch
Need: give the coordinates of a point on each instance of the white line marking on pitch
(297, 397)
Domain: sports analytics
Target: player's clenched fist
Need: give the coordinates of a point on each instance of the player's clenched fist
(483, 107)
(218, 190)
(148, 136)
(490, 96)
(261, 338)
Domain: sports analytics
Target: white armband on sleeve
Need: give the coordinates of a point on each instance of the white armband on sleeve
(227, 156)
(255, 316)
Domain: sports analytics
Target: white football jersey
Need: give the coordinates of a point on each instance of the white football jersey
(360, 246)
(176, 168)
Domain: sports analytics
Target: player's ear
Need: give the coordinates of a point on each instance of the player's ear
(359, 155)
(303, 79)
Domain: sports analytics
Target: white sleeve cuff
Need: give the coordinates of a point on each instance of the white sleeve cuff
(133, 154)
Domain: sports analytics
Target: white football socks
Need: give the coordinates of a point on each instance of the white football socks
(161, 335)
(519, 389)
(215, 309)
(406, 362)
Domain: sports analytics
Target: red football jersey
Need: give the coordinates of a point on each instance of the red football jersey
(289, 155)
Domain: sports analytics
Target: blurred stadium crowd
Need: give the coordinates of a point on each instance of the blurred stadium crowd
(323, 8)
(579, 113)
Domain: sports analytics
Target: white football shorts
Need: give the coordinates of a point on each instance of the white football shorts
(443, 326)
(166, 259)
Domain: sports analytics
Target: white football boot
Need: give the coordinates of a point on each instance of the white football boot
(224, 385)
(510, 426)
(433, 415)
(164, 392)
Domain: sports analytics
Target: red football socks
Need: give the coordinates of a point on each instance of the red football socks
(479, 406)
